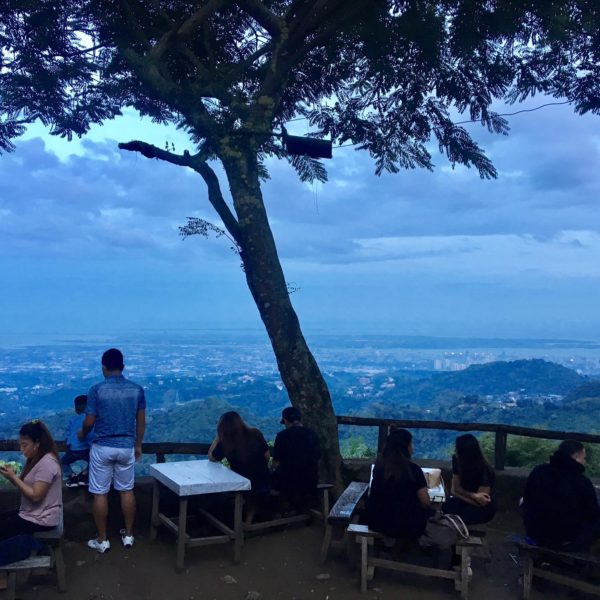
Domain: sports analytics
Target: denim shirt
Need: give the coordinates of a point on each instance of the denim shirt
(115, 403)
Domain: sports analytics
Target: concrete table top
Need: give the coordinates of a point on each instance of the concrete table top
(194, 477)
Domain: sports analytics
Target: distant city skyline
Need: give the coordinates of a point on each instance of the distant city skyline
(90, 244)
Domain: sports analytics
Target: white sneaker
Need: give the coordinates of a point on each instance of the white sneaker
(101, 547)
(127, 540)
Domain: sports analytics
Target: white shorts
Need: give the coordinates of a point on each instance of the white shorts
(111, 465)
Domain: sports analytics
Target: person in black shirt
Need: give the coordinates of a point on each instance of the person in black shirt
(398, 505)
(560, 508)
(248, 455)
(296, 456)
(473, 479)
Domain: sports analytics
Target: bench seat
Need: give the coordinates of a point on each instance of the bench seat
(366, 537)
(53, 539)
(342, 514)
(577, 581)
(302, 517)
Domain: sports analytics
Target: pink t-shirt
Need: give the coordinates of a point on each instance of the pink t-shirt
(48, 510)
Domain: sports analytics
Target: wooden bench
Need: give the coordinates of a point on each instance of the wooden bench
(483, 551)
(532, 554)
(53, 539)
(303, 517)
(342, 514)
(368, 562)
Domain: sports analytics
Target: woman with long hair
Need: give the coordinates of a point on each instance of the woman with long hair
(398, 505)
(248, 455)
(473, 479)
(40, 484)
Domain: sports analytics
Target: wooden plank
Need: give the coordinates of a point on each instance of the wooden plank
(470, 541)
(201, 449)
(155, 505)
(500, 450)
(168, 523)
(578, 584)
(363, 531)
(405, 567)
(302, 518)
(33, 562)
(238, 541)
(452, 426)
(382, 434)
(346, 504)
(527, 575)
(182, 537)
(216, 523)
(583, 557)
(208, 540)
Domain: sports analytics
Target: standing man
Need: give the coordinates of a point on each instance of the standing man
(116, 409)
(296, 459)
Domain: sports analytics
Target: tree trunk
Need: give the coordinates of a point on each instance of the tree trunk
(299, 371)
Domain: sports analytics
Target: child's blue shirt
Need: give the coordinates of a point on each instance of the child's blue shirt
(73, 442)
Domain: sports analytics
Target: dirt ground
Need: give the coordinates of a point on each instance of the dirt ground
(280, 564)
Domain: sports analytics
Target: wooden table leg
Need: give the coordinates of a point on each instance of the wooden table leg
(464, 572)
(238, 528)
(527, 575)
(364, 563)
(181, 534)
(326, 542)
(154, 514)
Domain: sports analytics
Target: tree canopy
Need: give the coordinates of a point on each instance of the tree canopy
(386, 75)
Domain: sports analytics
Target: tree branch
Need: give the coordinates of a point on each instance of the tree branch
(263, 16)
(241, 67)
(334, 22)
(185, 28)
(198, 163)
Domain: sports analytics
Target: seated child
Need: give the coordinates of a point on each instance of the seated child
(77, 449)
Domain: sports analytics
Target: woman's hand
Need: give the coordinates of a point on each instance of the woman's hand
(8, 473)
(482, 498)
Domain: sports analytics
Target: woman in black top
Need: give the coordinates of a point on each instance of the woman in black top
(248, 454)
(398, 505)
(473, 497)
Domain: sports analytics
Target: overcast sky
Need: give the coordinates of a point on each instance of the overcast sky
(89, 238)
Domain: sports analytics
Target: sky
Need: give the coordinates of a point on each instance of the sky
(89, 239)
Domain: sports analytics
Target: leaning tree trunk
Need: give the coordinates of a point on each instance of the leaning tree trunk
(299, 370)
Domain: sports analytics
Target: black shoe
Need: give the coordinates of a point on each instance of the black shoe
(73, 481)
(83, 480)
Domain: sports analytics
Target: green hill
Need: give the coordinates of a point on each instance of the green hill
(590, 389)
(534, 376)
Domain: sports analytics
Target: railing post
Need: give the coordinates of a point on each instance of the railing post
(381, 437)
(160, 457)
(500, 450)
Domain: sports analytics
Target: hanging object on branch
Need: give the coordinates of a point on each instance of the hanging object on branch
(307, 146)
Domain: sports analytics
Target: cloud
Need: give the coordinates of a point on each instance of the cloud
(102, 201)
(357, 246)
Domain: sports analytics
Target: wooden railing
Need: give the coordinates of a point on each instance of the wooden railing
(500, 431)
(161, 449)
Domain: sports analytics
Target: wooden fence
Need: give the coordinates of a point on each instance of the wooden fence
(500, 431)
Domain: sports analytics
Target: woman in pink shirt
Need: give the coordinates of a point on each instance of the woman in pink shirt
(40, 484)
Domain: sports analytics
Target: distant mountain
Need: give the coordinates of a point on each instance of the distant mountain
(534, 376)
(526, 377)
